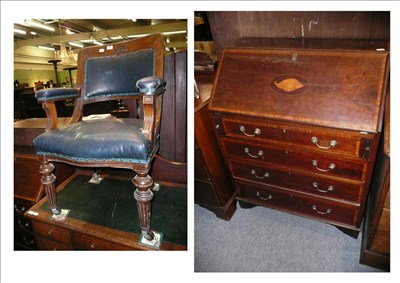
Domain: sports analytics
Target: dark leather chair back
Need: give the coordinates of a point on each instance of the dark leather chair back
(117, 75)
(110, 72)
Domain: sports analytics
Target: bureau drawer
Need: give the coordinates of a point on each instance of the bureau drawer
(22, 223)
(46, 244)
(24, 239)
(297, 203)
(52, 232)
(311, 162)
(313, 138)
(313, 183)
(86, 242)
(21, 206)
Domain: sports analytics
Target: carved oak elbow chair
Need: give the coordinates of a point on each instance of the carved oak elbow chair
(125, 70)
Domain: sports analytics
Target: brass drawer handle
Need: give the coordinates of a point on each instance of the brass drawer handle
(257, 132)
(331, 166)
(314, 207)
(259, 154)
(329, 189)
(50, 232)
(253, 172)
(31, 242)
(332, 143)
(19, 222)
(264, 198)
(92, 246)
(19, 211)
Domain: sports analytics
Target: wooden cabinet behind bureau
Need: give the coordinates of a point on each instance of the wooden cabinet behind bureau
(213, 183)
(375, 248)
(299, 122)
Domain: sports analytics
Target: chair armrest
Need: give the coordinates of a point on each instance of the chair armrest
(53, 94)
(151, 85)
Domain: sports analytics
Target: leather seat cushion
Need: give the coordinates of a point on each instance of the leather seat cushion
(97, 140)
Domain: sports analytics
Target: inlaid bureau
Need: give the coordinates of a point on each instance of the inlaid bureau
(299, 122)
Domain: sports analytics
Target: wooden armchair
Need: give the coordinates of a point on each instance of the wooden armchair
(127, 70)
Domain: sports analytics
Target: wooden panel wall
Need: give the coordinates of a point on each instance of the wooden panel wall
(173, 133)
(228, 27)
(173, 122)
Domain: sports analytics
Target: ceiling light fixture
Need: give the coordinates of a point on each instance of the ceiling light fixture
(174, 32)
(46, 48)
(20, 31)
(68, 31)
(116, 37)
(38, 25)
(64, 54)
(137, 35)
(97, 42)
(76, 44)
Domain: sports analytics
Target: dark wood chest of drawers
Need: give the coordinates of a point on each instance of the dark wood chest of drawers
(27, 186)
(92, 225)
(299, 123)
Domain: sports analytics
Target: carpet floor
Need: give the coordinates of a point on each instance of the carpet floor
(265, 240)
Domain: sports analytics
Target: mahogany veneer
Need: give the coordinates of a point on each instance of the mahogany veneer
(299, 123)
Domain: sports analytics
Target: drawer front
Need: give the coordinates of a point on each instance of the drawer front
(311, 162)
(21, 206)
(85, 242)
(24, 239)
(314, 184)
(26, 176)
(322, 140)
(314, 207)
(52, 232)
(46, 244)
(22, 223)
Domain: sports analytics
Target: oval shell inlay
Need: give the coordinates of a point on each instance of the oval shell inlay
(289, 84)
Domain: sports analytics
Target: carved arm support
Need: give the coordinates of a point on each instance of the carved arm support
(151, 88)
(48, 97)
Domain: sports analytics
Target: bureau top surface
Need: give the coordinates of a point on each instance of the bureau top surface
(340, 87)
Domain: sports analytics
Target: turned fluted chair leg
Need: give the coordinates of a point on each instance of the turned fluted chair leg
(49, 184)
(143, 195)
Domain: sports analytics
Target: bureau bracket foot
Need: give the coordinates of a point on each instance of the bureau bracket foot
(349, 232)
(151, 239)
(245, 205)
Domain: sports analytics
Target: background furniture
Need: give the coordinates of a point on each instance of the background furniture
(213, 183)
(27, 178)
(299, 136)
(375, 249)
(228, 27)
